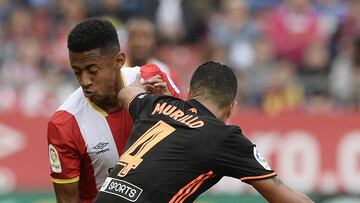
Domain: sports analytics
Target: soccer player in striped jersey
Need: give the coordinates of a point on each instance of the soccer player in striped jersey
(179, 149)
(88, 132)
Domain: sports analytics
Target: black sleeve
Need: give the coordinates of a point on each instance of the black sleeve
(140, 104)
(237, 157)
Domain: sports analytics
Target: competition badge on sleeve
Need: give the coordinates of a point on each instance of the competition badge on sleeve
(261, 159)
(54, 159)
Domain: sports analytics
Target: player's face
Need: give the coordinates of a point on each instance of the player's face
(98, 74)
(141, 41)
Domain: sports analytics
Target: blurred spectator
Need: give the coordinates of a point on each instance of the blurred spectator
(258, 75)
(121, 10)
(314, 73)
(331, 13)
(257, 5)
(176, 20)
(141, 44)
(349, 27)
(233, 32)
(293, 27)
(345, 76)
(285, 93)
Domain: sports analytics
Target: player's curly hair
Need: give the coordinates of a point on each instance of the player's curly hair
(216, 82)
(91, 34)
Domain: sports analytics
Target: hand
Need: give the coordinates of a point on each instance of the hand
(156, 86)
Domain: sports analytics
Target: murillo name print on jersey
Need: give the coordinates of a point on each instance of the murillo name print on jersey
(178, 115)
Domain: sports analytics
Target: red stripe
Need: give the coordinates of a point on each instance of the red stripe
(190, 188)
(185, 196)
(120, 124)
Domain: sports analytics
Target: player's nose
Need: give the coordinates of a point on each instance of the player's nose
(85, 80)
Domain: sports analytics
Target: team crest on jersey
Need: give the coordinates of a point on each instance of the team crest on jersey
(261, 159)
(54, 160)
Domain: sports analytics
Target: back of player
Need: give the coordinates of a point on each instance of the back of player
(177, 150)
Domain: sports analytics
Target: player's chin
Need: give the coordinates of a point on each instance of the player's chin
(94, 98)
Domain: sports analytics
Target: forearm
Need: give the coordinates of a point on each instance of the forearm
(126, 95)
(63, 199)
(291, 197)
(274, 191)
(67, 193)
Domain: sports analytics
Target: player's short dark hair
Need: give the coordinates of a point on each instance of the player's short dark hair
(93, 33)
(215, 81)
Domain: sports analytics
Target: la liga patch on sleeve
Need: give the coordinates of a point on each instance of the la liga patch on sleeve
(54, 159)
(259, 158)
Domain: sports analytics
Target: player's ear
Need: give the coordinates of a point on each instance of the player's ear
(231, 108)
(119, 59)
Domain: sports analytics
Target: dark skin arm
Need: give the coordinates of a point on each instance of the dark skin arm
(67, 193)
(274, 191)
(154, 85)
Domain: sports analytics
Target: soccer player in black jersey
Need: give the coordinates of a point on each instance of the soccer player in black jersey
(179, 149)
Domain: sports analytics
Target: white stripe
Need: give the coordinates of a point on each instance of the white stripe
(130, 74)
(74, 102)
(95, 129)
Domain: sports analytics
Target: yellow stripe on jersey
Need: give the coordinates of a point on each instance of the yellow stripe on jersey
(65, 181)
(98, 109)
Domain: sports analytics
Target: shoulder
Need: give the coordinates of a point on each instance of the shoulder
(235, 136)
(74, 103)
(65, 114)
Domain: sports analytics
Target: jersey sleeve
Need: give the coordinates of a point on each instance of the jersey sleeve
(150, 70)
(142, 104)
(63, 156)
(237, 157)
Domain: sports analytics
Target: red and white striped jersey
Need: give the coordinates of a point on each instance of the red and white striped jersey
(85, 142)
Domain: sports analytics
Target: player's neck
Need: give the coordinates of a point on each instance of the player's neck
(213, 108)
(114, 103)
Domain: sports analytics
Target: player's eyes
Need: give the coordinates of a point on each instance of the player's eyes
(92, 70)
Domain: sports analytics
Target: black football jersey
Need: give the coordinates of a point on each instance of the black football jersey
(177, 150)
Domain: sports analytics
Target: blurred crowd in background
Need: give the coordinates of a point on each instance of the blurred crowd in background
(289, 55)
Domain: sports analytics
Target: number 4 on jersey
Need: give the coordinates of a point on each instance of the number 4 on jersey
(133, 156)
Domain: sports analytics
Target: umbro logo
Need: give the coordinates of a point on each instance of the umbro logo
(101, 145)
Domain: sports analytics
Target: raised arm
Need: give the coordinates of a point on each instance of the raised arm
(126, 94)
(155, 85)
(275, 191)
